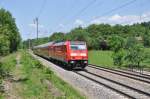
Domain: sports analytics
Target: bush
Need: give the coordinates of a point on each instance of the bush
(116, 43)
(146, 39)
(118, 57)
(135, 55)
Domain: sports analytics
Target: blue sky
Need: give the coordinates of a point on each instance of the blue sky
(63, 15)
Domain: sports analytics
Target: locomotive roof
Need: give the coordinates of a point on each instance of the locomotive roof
(58, 43)
(44, 45)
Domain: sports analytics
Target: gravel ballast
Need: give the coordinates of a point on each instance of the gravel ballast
(124, 80)
(86, 87)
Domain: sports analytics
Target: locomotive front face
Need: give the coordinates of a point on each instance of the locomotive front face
(78, 53)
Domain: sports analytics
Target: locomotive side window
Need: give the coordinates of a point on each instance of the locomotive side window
(78, 47)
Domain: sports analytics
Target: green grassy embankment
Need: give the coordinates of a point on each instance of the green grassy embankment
(31, 80)
(104, 58)
(7, 64)
(38, 75)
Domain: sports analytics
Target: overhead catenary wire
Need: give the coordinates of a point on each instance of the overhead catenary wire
(107, 12)
(117, 8)
(42, 8)
(133, 21)
(79, 12)
(63, 17)
(36, 20)
(114, 9)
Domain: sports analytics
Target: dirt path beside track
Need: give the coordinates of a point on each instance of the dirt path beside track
(11, 84)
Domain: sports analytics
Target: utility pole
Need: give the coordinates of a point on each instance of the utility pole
(29, 44)
(36, 21)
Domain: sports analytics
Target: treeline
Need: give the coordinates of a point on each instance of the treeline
(99, 36)
(33, 42)
(127, 42)
(9, 33)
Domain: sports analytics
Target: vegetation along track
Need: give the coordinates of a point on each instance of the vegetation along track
(120, 88)
(144, 78)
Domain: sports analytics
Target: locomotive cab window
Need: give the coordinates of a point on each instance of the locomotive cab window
(78, 47)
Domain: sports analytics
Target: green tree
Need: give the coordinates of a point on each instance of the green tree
(146, 38)
(118, 57)
(9, 32)
(79, 34)
(135, 54)
(130, 41)
(58, 36)
(117, 45)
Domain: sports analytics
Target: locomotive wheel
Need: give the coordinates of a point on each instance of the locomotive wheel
(83, 66)
(69, 67)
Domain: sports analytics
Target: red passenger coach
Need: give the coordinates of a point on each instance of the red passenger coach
(71, 53)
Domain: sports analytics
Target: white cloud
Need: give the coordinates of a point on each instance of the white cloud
(78, 22)
(120, 19)
(34, 25)
(115, 17)
(61, 26)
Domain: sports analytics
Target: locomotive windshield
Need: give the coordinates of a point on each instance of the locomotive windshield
(78, 47)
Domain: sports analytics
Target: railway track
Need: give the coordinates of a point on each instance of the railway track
(127, 91)
(143, 78)
(118, 87)
(124, 71)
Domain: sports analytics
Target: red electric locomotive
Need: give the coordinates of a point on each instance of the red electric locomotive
(72, 53)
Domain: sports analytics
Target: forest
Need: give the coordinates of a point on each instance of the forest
(9, 34)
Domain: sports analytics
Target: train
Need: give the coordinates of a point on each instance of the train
(72, 54)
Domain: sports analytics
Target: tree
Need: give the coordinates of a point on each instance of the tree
(9, 32)
(118, 57)
(146, 38)
(130, 41)
(135, 55)
(58, 36)
(117, 44)
(79, 34)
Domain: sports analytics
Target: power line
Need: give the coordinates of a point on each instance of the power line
(36, 20)
(141, 18)
(64, 16)
(80, 11)
(83, 9)
(110, 11)
(117, 8)
(42, 8)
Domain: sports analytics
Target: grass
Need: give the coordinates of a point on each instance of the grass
(34, 86)
(7, 64)
(31, 80)
(102, 58)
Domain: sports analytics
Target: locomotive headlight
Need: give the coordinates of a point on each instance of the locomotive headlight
(72, 62)
(85, 62)
(73, 54)
(83, 54)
